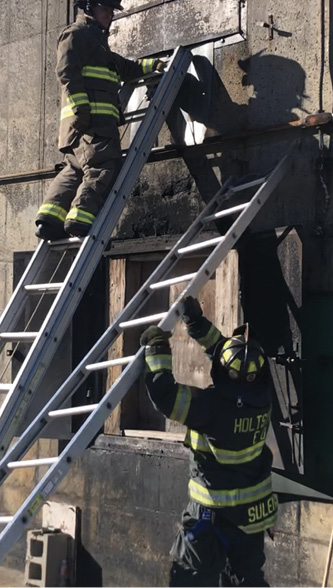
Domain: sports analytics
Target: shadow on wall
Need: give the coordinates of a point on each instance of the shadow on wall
(278, 89)
(88, 572)
(271, 286)
(278, 86)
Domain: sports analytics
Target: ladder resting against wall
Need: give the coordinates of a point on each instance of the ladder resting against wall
(220, 206)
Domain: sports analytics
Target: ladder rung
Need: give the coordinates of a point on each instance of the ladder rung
(63, 412)
(111, 362)
(53, 287)
(185, 278)
(5, 387)
(225, 212)
(153, 318)
(135, 115)
(31, 463)
(24, 336)
(71, 242)
(201, 245)
(242, 187)
(142, 80)
(5, 520)
(134, 119)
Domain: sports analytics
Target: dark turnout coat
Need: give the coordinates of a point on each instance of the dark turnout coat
(90, 75)
(227, 426)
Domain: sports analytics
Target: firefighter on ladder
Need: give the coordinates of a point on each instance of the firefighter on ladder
(231, 501)
(89, 74)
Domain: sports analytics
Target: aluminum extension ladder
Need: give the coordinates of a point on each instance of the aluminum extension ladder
(59, 466)
(46, 341)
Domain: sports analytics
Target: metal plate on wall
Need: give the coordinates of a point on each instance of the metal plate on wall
(160, 25)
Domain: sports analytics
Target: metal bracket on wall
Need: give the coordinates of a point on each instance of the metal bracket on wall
(272, 28)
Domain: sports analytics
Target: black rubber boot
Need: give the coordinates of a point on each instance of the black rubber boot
(50, 232)
(75, 229)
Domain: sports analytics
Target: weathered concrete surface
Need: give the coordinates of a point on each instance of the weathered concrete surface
(139, 35)
(10, 577)
(131, 494)
(28, 121)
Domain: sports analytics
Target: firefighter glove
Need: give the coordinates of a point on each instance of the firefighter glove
(81, 121)
(160, 65)
(191, 311)
(154, 336)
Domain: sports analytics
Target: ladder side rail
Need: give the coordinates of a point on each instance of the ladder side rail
(99, 350)
(56, 473)
(41, 352)
(11, 313)
(231, 237)
(93, 423)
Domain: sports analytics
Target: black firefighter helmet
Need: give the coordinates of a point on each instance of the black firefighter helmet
(242, 356)
(87, 5)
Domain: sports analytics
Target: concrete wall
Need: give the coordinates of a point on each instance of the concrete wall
(28, 120)
(132, 493)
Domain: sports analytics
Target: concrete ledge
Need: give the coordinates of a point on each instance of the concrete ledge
(157, 447)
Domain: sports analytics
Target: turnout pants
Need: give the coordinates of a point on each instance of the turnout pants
(210, 551)
(75, 196)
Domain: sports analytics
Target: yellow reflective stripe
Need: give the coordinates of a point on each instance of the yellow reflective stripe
(236, 365)
(159, 362)
(95, 108)
(221, 498)
(251, 367)
(233, 457)
(260, 526)
(77, 99)
(82, 216)
(101, 73)
(182, 404)
(66, 112)
(148, 65)
(196, 441)
(210, 338)
(104, 108)
(199, 442)
(53, 210)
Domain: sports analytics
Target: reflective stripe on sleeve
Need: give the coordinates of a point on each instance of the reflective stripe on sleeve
(77, 99)
(148, 65)
(104, 108)
(196, 441)
(221, 498)
(182, 404)
(53, 210)
(159, 362)
(81, 216)
(101, 73)
(210, 338)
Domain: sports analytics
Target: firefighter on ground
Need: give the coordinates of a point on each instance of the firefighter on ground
(230, 490)
(89, 74)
